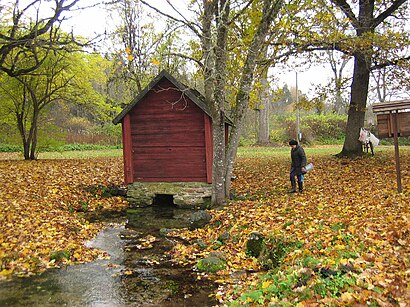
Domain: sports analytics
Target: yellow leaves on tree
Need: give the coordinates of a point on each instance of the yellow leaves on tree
(155, 61)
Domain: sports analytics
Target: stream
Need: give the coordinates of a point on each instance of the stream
(138, 273)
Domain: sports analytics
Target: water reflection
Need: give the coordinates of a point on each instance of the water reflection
(79, 285)
(139, 272)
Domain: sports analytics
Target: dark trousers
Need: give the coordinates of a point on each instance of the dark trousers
(296, 173)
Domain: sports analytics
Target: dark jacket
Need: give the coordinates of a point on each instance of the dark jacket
(298, 157)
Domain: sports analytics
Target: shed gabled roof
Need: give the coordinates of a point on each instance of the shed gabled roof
(192, 94)
(400, 105)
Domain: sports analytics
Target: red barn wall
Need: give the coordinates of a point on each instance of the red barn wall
(168, 137)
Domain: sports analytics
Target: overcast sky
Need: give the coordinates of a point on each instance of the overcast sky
(93, 21)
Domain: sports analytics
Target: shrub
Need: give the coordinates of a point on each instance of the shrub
(327, 129)
(10, 148)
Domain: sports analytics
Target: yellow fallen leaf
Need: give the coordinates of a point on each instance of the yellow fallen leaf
(6, 273)
(266, 284)
(347, 297)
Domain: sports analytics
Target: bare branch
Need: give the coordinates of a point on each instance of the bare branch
(18, 43)
(184, 21)
(388, 12)
(347, 10)
(389, 63)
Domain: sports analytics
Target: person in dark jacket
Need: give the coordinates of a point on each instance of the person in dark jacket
(297, 169)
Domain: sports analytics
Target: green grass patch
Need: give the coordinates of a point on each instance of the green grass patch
(317, 151)
(279, 286)
(281, 152)
(86, 151)
(10, 148)
(83, 154)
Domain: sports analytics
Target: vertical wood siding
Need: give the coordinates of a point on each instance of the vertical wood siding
(168, 137)
(127, 149)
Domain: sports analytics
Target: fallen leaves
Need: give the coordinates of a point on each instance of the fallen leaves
(39, 204)
(144, 243)
(350, 215)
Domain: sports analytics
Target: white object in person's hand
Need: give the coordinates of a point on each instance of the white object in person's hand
(309, 167)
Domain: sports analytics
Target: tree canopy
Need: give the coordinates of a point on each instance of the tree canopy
(372, 33)
(28, 34)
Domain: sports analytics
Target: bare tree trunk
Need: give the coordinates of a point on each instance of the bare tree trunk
(337, 66)
(215, 58)
(33, 135)
(381, 87)
(22, 131)
(357, 108)
(360, 83)
(270, 10)
(206, 41)
(21, 114)
(218, 166)
(365, 24)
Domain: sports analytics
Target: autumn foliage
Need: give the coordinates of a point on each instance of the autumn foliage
(347, 234)
(344, 241)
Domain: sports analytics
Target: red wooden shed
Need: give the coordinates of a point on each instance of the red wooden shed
(167, 134)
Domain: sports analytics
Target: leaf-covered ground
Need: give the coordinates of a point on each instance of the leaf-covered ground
(42, 205)
(344, 241)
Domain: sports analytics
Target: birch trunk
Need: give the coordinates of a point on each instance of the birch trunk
(270, 10)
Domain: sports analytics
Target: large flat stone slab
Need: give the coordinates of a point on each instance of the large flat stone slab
(195, 195)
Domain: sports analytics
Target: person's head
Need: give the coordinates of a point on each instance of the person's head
(293, 143)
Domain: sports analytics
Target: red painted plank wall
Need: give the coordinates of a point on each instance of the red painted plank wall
(168, 137)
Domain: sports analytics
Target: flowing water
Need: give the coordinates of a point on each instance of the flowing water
(138, 273)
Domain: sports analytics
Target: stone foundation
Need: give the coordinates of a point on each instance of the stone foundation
(195, 195)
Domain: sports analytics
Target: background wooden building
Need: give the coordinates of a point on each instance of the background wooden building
(393, 121)
(391, 116)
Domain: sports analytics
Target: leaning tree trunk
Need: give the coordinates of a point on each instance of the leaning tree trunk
(357, 108)
(270, 11)
(234, 135)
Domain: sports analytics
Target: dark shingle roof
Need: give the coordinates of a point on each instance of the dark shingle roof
(192, 94)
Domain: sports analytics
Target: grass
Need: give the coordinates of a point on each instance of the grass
(321, 150)
(326, 150)
(73, 154)
(245, 151)
(84, 154)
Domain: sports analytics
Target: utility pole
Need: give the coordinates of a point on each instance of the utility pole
(298, 134)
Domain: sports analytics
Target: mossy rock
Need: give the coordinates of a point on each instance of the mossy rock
(163, 232)
(255, 244)
(58, 256)
(199, 219)
(211, 264)
(274, 250)
(224, 236)
(201, 243)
